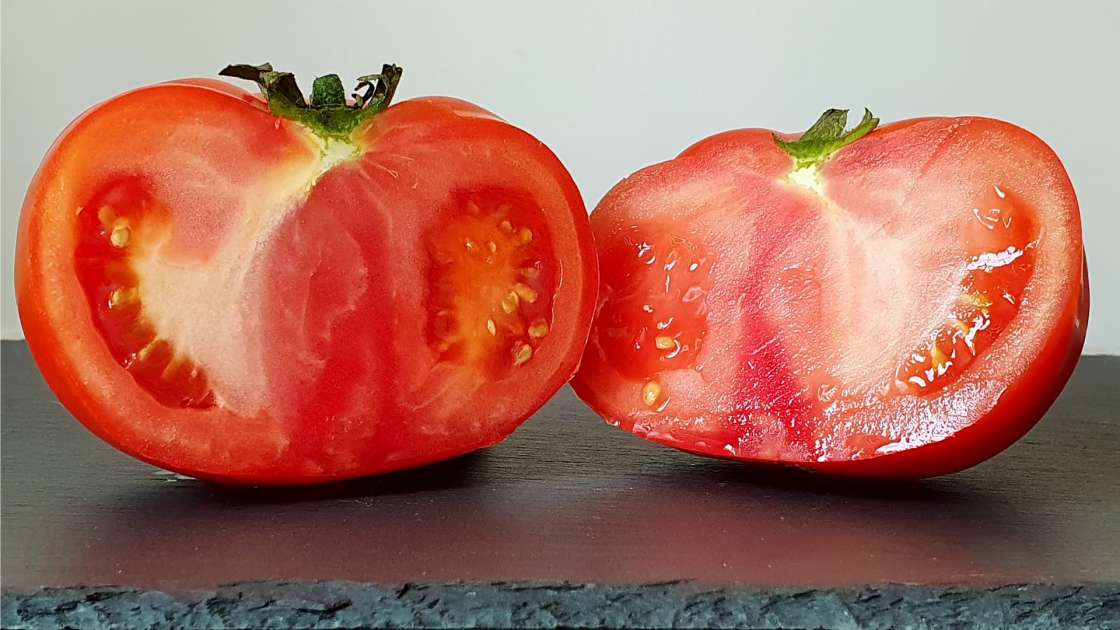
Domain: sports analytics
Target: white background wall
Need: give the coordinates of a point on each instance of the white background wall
(612, 86)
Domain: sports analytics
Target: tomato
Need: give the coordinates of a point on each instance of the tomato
(270, 291)
(903, 302)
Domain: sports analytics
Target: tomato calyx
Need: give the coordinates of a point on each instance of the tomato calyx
(825, 137)
(328, 113)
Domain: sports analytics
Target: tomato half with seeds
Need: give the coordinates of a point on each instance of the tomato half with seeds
(271, 290)
(904, 301)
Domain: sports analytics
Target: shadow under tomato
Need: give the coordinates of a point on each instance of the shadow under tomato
(721, 522)
(463, 471)
(441, 522)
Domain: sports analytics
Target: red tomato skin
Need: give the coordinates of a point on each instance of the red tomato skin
(1020, 406)
(219, 446)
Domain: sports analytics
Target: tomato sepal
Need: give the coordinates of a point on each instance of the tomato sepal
(826, 137)
(328, 113)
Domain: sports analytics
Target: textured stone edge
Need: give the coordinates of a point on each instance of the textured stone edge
(521, 605)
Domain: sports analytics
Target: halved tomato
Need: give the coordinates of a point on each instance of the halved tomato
(904, 302)
(272, 291)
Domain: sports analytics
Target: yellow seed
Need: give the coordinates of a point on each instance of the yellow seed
(510, 303)
(523, 353)
(120, 236)
(106, 215)
(530, 272)
(936, 355)
(525, 292)
(492, 246)
(978, 299)
(172, 366)
(506, 227)
(491, 327)
(651, 391)
(147, 350)
(121, 295)
(538, 329)
(525, 235)
(472, 247)
(665, 343)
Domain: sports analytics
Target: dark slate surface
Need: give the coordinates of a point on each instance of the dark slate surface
(503, 605)
(569, 501)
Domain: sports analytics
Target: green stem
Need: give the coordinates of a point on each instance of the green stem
(826, 137)
(327, 114)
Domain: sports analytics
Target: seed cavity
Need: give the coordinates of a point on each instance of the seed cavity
(487, 253)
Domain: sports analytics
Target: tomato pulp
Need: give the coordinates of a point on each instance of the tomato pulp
(903, 302)
(270, 291)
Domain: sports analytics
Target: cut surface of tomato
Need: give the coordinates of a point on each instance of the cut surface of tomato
(907, 304)
(349, 289)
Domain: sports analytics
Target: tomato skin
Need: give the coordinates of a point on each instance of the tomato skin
(242, 143)
(714, 188)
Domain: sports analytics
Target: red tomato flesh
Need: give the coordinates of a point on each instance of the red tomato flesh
(907, 309)
(226, 294)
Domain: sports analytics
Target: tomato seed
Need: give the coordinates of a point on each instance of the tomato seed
(651, 391)
(120, 236)
(523, 353)
(538, 329)
(525, 292)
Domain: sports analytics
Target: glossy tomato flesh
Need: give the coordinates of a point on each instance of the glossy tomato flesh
(907, 309)
(223, 293)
